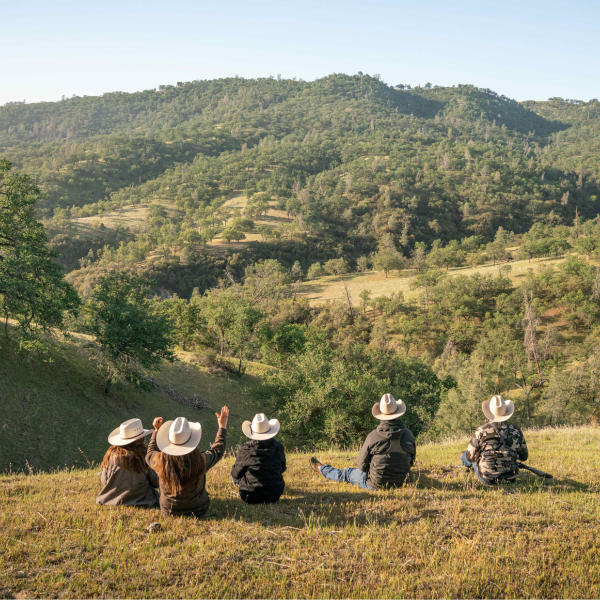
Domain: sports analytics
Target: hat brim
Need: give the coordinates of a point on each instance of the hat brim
(165, 445)
(273, 430)
(115, 439)
(383, 417)
(510, 409)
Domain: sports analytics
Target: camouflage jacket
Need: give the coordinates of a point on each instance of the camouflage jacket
(494, 459)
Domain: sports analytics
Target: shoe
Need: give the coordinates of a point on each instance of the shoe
(315, 464)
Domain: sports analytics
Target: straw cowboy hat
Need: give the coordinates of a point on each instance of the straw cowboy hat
(261, 428)
(498, 409)
(127, 433)
(178, 437)
(388, 408)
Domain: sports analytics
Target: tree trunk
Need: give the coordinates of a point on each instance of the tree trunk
(109, 378)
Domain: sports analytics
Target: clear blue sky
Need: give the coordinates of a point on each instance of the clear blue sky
(528, 49)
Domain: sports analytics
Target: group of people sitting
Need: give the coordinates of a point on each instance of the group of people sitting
(172, 462)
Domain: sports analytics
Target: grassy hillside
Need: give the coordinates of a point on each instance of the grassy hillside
(443, 535)
(55, 414)
(331, 287)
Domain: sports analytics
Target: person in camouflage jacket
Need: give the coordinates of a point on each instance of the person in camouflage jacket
(496, 446)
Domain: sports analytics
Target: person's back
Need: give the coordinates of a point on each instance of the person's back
(126, 479)
(259, 468)
(388, 454)
(181, 467)
(260, 462)
(496, 448)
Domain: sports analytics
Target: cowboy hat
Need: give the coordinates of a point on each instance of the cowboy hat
(498, 409)
(127, 433)
(261, 428)
(388, 408)
(178, 437)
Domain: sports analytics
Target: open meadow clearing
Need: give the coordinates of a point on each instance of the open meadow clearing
(332, 287)
(442, 535)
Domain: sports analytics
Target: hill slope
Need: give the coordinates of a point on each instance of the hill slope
(55, 414)
(442, 535)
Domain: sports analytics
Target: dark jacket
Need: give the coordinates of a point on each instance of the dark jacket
(128, 488)
(193, 502)
(388, 454)
(259, 467)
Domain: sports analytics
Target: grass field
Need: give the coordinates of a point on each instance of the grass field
(330, 288)
(55, 413)
(442, 535)
(272, 220)
(129, 216)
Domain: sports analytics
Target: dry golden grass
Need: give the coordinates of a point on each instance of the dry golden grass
(130, 216)
(443, 535)
(272, 220)
(330, 288)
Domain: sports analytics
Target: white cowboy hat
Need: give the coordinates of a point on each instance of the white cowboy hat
(127, 432)
(261, 428)
(498, 409)
(388, 408)
(178, 437)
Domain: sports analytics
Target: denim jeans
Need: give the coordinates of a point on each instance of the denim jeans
(349, 475)
(475, 468)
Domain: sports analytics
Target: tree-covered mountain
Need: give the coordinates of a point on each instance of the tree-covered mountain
(352, 161)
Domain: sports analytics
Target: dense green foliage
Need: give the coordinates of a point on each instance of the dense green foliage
(241, 188)
(351, 159)
(32, 286)
(128, 332)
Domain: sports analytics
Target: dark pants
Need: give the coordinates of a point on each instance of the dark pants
(264, 496)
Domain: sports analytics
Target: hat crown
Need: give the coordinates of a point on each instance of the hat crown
(388, 404)
(131, 428)
(179, 432)
(498, 406)
(260, 423)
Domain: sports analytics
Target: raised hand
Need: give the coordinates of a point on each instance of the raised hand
(223, 417)
(157, 423)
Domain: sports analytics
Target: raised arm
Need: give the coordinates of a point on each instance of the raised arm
(217, 448)
(152, 447)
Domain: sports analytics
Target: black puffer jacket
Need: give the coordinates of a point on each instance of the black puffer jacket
(259, 467)
(388, 454)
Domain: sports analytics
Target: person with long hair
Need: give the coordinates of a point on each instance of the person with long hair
(181, 468)
(126, 478)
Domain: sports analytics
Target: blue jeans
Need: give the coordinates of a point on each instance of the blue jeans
(349, 475)
(475, 467)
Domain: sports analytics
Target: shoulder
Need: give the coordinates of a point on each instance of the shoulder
(514, 430)
(483, 430)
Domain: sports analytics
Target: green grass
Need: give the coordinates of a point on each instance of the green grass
(55, 414)
(442, 535)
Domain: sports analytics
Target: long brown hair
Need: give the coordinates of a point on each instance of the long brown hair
(179, 473)
(131, 457)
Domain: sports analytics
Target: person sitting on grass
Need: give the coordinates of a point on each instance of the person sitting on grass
(173, 453)
(260, 462)
(387, 454)
(497, 445)
(126, 478)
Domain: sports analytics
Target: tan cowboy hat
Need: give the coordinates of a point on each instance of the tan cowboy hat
(388, 408)
(178, 437)
(127, 433)
(498, 409)
(261, 428)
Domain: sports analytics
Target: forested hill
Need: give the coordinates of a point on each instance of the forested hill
(350, 159)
